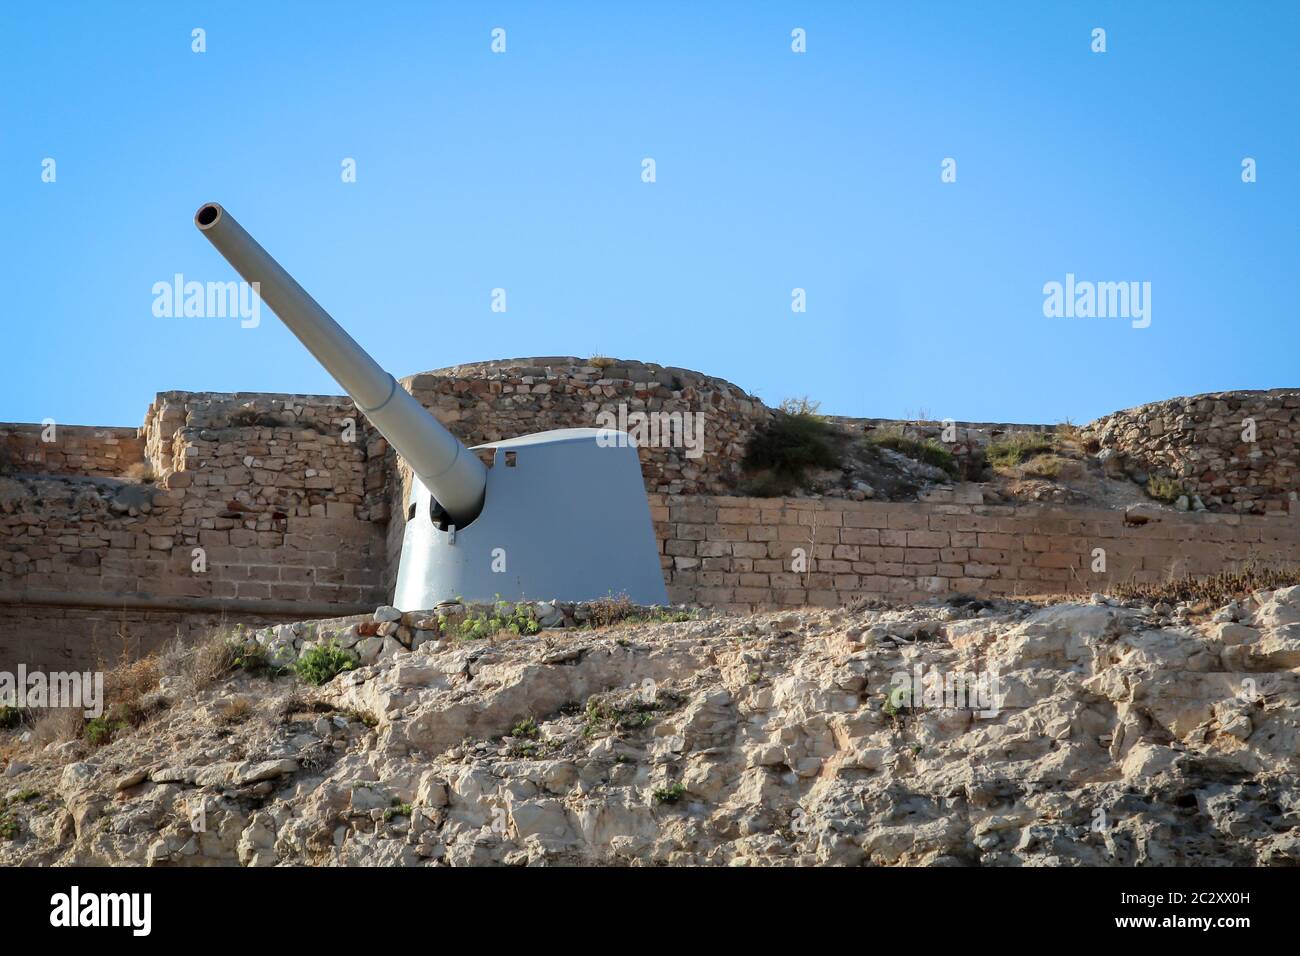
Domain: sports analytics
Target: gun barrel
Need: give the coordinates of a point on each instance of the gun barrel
(451, 472)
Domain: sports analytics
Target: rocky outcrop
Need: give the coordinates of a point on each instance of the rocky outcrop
(1080, 733)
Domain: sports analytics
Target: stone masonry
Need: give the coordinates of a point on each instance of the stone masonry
(1239, 451)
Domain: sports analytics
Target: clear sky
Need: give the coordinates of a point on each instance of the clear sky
(774, 170)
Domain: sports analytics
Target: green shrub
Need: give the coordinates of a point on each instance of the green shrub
(100, 730)
(781, 451)
(324, 662)
(526, 728)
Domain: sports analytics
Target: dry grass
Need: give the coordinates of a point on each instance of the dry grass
(126, 684)
(236, 711)
(56, 725)
(801, 405)
(1068, 437)
(611, 610)
(1015, 449)
(211, 659)
(1043, 466)
(600, 361)
(1213, 590)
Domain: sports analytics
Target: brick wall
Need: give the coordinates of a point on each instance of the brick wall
(739, 553)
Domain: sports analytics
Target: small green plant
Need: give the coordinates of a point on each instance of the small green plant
(324, 662)
(604, 715)
(8, 826)
(101, 730)
(670, 794)
(398, 809)
(1164, 489)
(517, 620)
(26, 795)
(894, 705)
(526, 728)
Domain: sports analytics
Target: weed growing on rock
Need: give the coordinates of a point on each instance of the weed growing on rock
(526, 728)
(323, 663)
(608, 715)
(517, 620)
(101, 730)
(398, 809)
(670, 794)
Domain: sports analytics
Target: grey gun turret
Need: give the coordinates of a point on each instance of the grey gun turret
(560, 514)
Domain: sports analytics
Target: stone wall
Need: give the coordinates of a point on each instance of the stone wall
(74, 450)
(1237, 451)
(739, 553)
(289, 501)
(256, 507)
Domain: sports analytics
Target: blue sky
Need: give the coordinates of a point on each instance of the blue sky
(775, 170)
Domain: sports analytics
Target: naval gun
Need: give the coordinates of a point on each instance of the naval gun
(558, 514)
